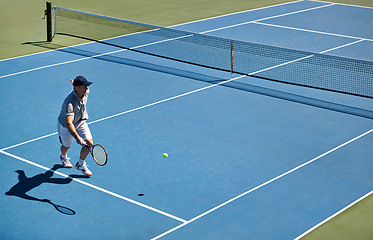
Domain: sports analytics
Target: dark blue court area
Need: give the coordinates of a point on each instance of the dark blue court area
(263, 161)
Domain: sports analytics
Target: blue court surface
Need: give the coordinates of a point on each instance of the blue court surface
(241, 165)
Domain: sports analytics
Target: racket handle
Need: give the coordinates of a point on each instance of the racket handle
(85, 145)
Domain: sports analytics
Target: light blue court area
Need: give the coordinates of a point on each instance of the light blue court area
(248, 158)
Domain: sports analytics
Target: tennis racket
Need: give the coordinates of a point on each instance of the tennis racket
(98, 153)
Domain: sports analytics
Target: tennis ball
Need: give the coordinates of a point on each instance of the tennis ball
(165, 155)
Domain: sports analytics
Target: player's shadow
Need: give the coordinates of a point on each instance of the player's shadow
(26, 184)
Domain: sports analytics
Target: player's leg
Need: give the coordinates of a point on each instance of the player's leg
(64, 149)
(66, 139)
(83, 131)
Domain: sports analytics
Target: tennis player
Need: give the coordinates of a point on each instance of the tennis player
(72, 124)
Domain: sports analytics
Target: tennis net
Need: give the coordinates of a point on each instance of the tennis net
(315, 70)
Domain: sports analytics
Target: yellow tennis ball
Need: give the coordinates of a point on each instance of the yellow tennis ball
(165, 155)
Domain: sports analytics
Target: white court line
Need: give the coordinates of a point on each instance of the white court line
(343, 4)
(29, 141)
(311, 31)
(85, 58)
(96, 187)
(244, 11)
(342, 46)
(266, 18)
(61, 63)
(334, 215)
(261, 185)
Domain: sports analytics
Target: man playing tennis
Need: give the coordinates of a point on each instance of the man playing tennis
(72, 124)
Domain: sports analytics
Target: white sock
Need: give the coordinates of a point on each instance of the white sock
(63, 156)
(81, 162)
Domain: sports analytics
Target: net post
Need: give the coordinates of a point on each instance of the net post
(48, 13)
(232, 58)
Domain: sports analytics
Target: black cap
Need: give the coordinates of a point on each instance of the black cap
(81, 81)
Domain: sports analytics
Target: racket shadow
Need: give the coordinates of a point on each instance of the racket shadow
(62, 209)
(26, 184)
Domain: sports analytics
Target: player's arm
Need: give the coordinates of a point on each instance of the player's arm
(70, 126)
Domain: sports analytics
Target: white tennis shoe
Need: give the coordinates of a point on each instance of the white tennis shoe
(83, 168)
(66, 161)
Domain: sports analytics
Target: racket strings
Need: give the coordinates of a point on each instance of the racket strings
(99, 154)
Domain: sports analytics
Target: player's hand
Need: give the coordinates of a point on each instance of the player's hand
(80, 141)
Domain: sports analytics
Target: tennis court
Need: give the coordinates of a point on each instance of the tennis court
(249, 158)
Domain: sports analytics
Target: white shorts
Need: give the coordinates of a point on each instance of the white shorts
(67, 139)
